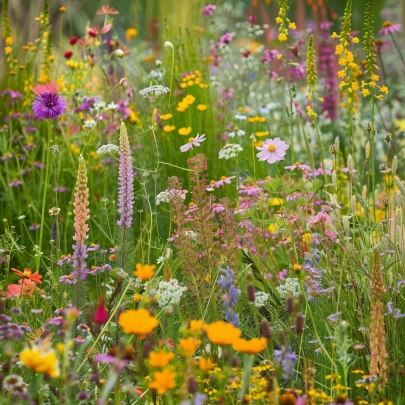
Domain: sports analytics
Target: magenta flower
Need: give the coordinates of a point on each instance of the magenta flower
(208, 10)
(193, 141)
(221, 182)
(297, 165)
(389, 28)
(48, 105)
(272, 150)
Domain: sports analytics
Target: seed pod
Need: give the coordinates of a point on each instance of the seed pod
(290, 305)
(265, 329)
(299, 323)
(192, 385)
(251, 292)
(394, 166)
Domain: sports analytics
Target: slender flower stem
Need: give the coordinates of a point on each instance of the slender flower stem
(394, 41)
(41, 232)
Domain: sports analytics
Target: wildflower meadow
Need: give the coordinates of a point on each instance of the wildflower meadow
(202, 203)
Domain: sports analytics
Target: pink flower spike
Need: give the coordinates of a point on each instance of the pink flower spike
(193, 141)
(272, 150)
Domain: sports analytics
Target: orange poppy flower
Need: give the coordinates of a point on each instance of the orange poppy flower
(27, 273)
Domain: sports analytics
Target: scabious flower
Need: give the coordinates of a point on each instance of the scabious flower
(272, 150)
(48, 105)
(231, 296)
(208, 10)
(126, 179)
(193, 142)
(389, 28)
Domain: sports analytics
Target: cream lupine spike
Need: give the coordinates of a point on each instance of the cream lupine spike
(378, 364)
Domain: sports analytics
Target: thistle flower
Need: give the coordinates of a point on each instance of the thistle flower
(126, 178)
(48, 105)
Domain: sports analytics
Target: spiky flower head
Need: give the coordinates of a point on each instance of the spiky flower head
(48, 105)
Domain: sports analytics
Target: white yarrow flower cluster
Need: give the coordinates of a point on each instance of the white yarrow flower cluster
(155, 90)
(170, 293)
(291, 288)
(261, 299)
(230, 151)
(89, 123)
(107, 149)
(165, 196)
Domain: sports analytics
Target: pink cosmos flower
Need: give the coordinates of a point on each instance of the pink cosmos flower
(193, 141)
(208, 10)
(272, 150)
(389, 28)
(223, 180)
(297, 165)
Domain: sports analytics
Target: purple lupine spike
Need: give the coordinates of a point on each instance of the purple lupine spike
(81, 211)
(126, 180)
(231, 296)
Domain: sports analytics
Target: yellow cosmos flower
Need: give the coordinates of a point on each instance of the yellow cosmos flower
(163, 381)
(252, 346)
(262, 133)
(201, 107)
(40, 361)
(206, 364)
(144, 271)
(184, 130)
(165, 117)
(131, 33)
(277, 201)
(222, 333)
(169, 128)
(272, 228)
(188, 346)
(138, 322)
(160, 359)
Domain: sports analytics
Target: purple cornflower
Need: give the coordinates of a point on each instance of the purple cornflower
(231, 296)
(286, 359)
(389, 28)
(48, 105)
(126, 180)
(15, 183)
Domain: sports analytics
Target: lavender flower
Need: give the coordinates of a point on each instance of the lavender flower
(48, 105)
(231, 296)
(126, 178)
(286, 359)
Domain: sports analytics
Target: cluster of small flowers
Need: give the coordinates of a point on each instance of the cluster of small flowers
(166, 195)
(89, 123)
(261, 299)
(156, 90)
(170, 293)
(107, 149)
(230, 151)
(291, 287)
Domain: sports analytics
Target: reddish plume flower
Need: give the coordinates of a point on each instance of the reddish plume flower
(68, 54)
(101, 316)
(74, 40)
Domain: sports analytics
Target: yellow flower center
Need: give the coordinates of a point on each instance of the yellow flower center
(387, 24)
(191, 140)
(223, 177)
(297, 163)
(271, 148)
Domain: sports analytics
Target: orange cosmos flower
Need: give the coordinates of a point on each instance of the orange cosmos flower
(144, 271)
(27, 273)
(163, 381)
(206, 364)
(188, 346)
(160, 359)
(252, 346)
(222, 333)
(196, 325)
(138, 322)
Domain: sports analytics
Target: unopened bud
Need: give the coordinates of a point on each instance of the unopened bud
(119, 53)
(192, 385)
(265, 329)
(290, 305)
(235, 362)
(299, 323)
(251, 292)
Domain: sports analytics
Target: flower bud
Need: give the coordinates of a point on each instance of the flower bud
(119, 53)
(290, 305)
(265, 329)
(299, 323)
(192, 385)
(235, 362)
(251, 292)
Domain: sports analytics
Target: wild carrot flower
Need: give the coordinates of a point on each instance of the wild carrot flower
(48, 105)
(126, 179)
(272, 150)
(193, 142)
